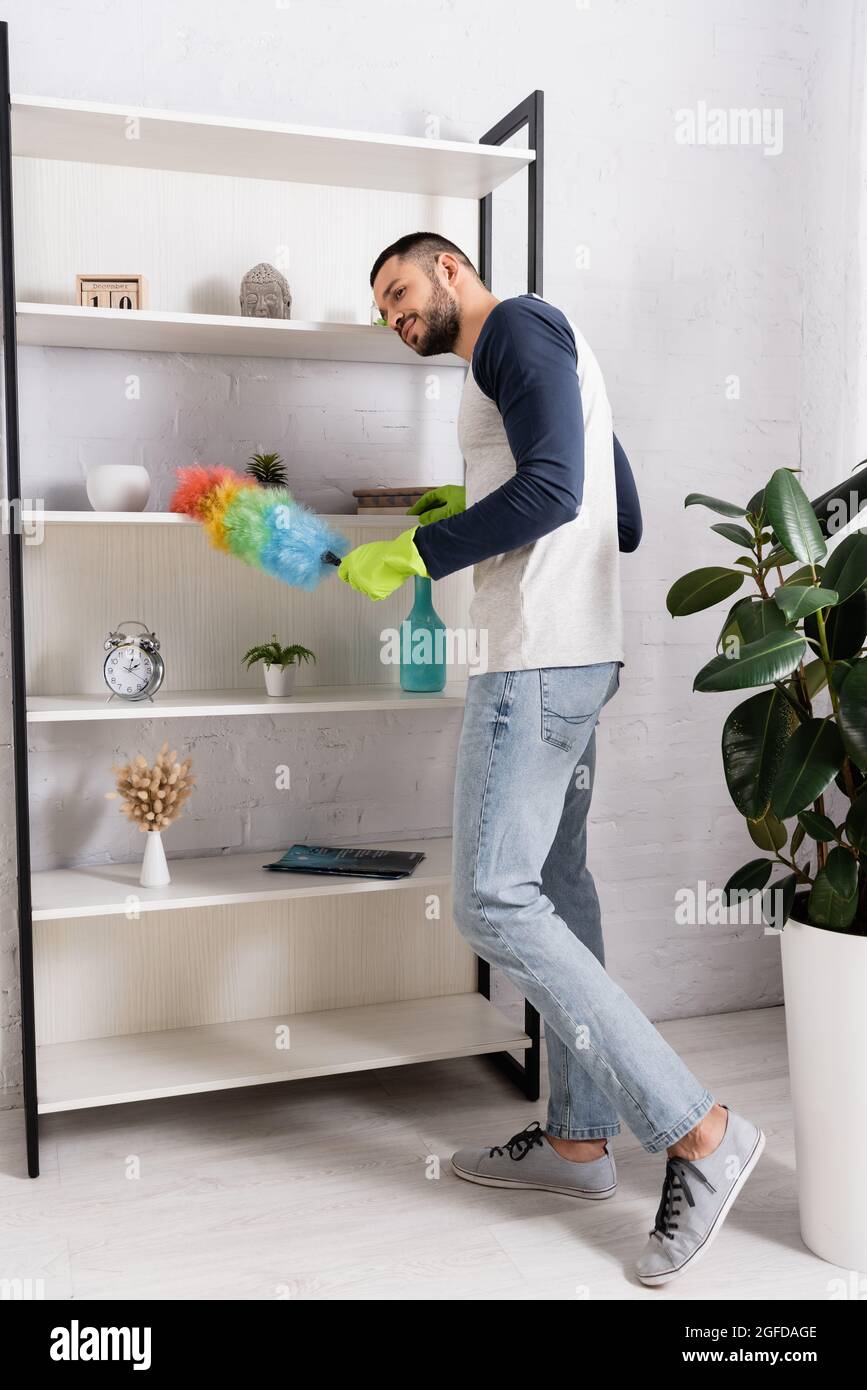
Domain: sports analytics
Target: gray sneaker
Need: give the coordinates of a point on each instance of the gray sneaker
(528, 1160)
(710, 1185)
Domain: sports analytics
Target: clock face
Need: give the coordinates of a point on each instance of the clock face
(128, 670)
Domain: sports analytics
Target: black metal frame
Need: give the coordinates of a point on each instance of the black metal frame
(529, 113)
(14, 503)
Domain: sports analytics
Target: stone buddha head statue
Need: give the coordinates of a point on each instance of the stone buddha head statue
(265, 293)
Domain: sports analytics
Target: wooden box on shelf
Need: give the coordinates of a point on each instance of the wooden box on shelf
(373, 501)
(111, 291)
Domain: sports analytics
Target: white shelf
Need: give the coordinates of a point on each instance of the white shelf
(104, 890)
(216, 1056)
(91, 518)
(226, 335)
(220, 1056)
(206, 704)
(96, 133)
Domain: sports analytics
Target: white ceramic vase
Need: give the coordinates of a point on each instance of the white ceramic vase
(154, 868)
(825, 986)
(279, 680)
(118, 487)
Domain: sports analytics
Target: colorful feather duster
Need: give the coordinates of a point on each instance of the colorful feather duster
(264, 527)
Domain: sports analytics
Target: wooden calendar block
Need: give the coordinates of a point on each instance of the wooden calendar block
(111, 291)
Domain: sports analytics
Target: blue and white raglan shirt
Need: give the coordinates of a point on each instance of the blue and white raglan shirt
(551, 500)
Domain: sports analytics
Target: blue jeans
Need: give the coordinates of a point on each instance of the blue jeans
(526, 902)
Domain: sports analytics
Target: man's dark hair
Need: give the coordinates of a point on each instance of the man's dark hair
(422, 247)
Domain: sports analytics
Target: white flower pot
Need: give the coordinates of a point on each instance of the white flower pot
(825, 985)
(118, 487)
(154, 869)
(280, 680)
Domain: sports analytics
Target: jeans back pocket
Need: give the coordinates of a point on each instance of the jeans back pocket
(571, 698)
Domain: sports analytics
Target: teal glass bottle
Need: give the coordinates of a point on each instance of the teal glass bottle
(422, 643)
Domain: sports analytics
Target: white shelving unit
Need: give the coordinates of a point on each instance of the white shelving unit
(52, 517)
(215, 880)
(211, 704)
(146, 138)
(217, 1057)
(357, 970)
(151, 330)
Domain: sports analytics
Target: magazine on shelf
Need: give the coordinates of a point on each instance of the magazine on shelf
(347, 861)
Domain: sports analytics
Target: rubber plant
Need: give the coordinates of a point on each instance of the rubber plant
(799, 640)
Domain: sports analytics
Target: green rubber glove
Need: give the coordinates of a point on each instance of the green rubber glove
(380, 567)
(439, 503)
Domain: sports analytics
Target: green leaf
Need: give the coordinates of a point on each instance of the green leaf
(777, 557)
(760, 663)
(813, 754)
(702, 588)
(793, 518)
(842, 871)
(295, 653)
(798, 600)
(755, 506)
(827, 907)
(739, 534)
(845, 627)
(852, 716)
(856, 822)
(699, 499)
(839, 671)
(842, 503)
(857, 777)
(768, 833)
(754, 739)
(815, 677)
(777, 900)
(846, 568)
(798, 836)
(817, 826)
(804, 575)
(752, 618)
(751, 878)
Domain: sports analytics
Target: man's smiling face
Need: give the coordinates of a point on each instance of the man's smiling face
(422, 308)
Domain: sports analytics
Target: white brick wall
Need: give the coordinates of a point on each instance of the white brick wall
(704, 263)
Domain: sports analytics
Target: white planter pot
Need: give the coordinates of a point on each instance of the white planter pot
(118, 487)
(825, 984)
(154, 868)
(280, 680)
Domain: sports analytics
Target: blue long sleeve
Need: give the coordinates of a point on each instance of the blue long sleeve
(629, 523)
(526, 364)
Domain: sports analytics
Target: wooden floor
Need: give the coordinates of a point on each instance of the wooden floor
(328, 1189)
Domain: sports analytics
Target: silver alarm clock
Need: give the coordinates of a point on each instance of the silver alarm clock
(133, 669)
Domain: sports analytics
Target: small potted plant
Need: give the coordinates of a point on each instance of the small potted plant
(280, 664)
(269, 470)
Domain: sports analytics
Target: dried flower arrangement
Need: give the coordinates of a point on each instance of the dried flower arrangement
(153, 796)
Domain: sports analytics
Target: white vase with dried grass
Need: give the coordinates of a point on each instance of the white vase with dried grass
(152, 798)
(154, 865)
